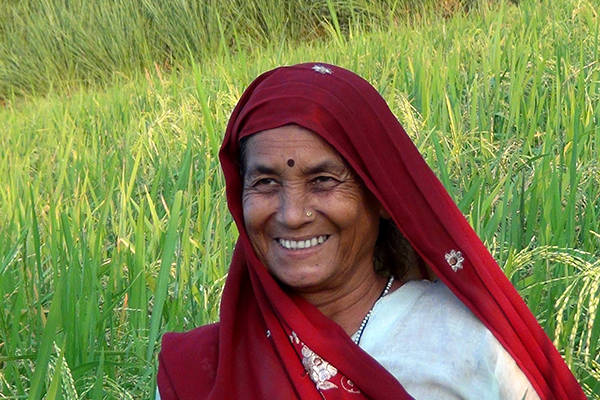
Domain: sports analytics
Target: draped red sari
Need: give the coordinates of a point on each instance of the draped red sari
(255, 351)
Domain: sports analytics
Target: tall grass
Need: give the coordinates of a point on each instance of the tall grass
(114, 228)
(113, 209)
(47, 45)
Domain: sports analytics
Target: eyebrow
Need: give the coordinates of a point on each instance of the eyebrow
(324, 166)
(260, 169)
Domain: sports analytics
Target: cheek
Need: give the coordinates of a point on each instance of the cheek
(256, 213)
(254, 227)
(352, 210)
(249, 211)
(362, 220)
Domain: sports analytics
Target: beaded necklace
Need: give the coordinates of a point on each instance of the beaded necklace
(363, 324)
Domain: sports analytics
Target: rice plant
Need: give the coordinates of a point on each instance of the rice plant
(113, 223)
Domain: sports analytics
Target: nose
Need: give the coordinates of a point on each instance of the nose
(292, 211)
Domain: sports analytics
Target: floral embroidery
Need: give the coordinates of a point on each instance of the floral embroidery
(324, 375)
(455, 259)
(294, 338)
(319, 370)
(322, 69)
(349, 386)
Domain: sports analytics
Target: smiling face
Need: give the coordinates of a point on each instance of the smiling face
(309, 218)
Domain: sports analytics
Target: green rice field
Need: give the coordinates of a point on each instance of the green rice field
(113, 222)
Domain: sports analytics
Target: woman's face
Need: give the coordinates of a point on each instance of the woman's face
(309, 218)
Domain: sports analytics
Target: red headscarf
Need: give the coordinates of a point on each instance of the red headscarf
(248, 354)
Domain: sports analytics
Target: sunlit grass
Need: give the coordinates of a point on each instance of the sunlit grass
(113, 222)
(53, 45)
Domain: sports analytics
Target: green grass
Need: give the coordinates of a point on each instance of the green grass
(113, 222)
(48, 45)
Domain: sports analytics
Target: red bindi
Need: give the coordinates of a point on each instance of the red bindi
(290, 163)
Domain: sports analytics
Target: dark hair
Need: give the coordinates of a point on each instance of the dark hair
(242, 155)
(394, 255)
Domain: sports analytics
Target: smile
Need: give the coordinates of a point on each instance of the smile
(302, 244)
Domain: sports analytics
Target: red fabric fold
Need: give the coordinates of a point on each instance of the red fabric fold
(248, 354)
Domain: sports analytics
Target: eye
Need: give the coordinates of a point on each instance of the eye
(323, 182)
(322, 179)
(264, 184)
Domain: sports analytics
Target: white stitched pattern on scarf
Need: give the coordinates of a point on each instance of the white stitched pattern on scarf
(324, 375)
(319, 370)
(294, 338)
(322, 69)
(455, 260)
(348, 385)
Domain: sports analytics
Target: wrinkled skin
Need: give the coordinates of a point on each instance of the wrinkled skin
(314, 197)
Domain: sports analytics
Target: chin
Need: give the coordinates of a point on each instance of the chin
(304, 283)
(300, 280)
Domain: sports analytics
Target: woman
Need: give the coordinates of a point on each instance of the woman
(325, 298)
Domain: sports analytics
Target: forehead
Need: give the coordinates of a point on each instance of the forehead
(290, 142)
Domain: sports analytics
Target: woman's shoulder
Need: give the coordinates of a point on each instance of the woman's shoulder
(186, 341)
(434, 345)
(188, 360)
(432, 296)
(423, 296)
(436, 289)
(429, 311)
(199, 346)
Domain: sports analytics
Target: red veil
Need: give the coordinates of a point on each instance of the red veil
(248, 354)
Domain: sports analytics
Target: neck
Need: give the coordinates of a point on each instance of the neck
(347, 305)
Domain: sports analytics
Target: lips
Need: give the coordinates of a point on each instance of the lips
(302, 244)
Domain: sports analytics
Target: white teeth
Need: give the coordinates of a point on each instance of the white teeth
(302, 244)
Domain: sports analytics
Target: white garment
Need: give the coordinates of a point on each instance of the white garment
(436, 347)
